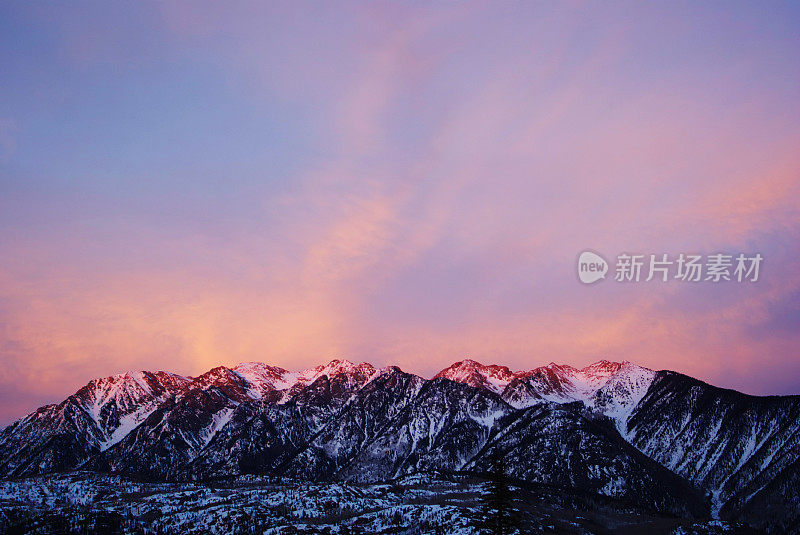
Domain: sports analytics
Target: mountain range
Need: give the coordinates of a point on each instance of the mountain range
(657, 440)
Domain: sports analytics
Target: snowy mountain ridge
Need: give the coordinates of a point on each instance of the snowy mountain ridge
(662, 440)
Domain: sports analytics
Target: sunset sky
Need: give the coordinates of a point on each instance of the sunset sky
(186, 185)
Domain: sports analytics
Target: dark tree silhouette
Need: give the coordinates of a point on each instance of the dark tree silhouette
(499, 515)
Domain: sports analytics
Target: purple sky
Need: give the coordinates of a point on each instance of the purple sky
(186, 185)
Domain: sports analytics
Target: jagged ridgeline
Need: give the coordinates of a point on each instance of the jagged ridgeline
(660, 441)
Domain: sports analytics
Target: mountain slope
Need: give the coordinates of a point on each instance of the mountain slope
(737, 447)
(569, 447)
(58, 437)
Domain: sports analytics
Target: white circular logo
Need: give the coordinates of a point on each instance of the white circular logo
(591, 267)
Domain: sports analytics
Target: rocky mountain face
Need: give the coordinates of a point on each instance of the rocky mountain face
(744, 450)
(58, 437)
(659, 441)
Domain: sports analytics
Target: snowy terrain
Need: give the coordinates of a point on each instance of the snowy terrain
(419, 504)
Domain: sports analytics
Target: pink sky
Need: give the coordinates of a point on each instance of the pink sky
(189, 185)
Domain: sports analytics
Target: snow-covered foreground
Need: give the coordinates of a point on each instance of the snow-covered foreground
(85, 502)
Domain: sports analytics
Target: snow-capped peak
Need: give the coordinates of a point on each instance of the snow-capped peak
(620, 394)
(120, 402)
(603, 368)
(262, 378)
(610, 387)
(473, 373)
(334, 367)
(553, 382)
